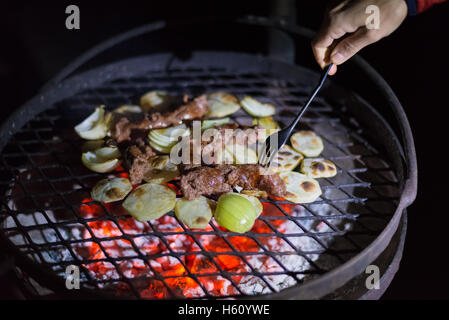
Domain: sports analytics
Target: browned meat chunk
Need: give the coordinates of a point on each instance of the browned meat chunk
(217, 180)
(195, 109)
(203, 181)
(137, 160)
(251, 177)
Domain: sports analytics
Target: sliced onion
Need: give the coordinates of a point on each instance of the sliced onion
(155, 99)
(255, 202)
(164, 139)
(150, 201)
(194, 213)
(96, 126)
(162, 170)
(256, 108)
(110, 190)
(101, 160)
(235, 213)
(222, 104)
(207, 124)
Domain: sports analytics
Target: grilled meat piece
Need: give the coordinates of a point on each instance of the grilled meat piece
(137, 157)
(251, 177)
(195, 109)
(204, 181)
(219, 179)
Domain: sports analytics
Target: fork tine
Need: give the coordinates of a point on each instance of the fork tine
(283, 135)
(263, 153)
(269, 151)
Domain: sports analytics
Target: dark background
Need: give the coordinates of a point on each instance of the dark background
(413, 60)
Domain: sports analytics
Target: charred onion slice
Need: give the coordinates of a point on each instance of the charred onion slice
(104, 159)
(155, 99)
(110, 190)
(318, 168)
(222, 104)
(300, 188)
(162, 170)
(195, 214)
(150, 201)
(255, 193)
(207, 124)
(256, 108)
(235, 213)
(96, 126)
(307, 143)
(164, 139)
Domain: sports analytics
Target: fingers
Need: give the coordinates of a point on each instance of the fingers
(324, 39)
(352, 44)
(333, 70)
(335, 25)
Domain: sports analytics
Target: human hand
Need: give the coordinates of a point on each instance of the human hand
(344, 30)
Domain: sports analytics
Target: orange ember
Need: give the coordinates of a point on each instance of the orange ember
(140, 252)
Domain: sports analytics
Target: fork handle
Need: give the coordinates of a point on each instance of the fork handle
(323, 77)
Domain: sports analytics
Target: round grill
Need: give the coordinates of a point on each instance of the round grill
(293, 251)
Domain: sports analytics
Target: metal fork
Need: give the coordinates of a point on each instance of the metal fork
(270, 149)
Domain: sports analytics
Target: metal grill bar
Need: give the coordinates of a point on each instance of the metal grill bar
(44, 145)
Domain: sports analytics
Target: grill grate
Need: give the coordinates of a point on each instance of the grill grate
(47, 212)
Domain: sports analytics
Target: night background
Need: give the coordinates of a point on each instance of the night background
(413, 60)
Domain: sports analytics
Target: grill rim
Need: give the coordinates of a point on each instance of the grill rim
(313, 288)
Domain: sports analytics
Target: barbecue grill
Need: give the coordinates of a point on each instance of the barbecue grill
(48, 220)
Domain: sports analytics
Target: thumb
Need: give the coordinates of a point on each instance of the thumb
(352, 44)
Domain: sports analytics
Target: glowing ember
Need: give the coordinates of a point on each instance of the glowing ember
(163, 266)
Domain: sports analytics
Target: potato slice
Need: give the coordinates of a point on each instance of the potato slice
(222, 104)
(195, 214)
(150, 201)
(242, 154)
(318, 168)
(162, 170)
(223, 156)
(256, 203)
(307, 143)
(110, 190)
(267, 123)
(96, 126)
(256, 108)
(101, 160)
(155, 99)
(286, 159)
(300, 188)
